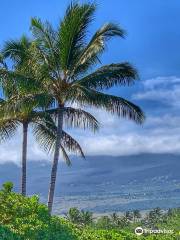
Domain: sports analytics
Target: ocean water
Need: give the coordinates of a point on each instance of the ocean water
(148, 195)
(139, 182)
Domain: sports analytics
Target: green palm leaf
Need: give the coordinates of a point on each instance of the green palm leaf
(2, 62)
(16, 50)
(8, 129)
(80, 118)
(71, 145)
(72, 32)
(109, 76)
(110, 103)
(66, 157)
(90, 54)
(43, 32)
(16, 83)
(46, 131)
(74, 117)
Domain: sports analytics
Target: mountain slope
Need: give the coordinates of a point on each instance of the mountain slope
(106, 183)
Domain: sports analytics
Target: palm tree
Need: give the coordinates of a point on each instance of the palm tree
(16, 87)
(154, 216)
(128, 215)
(44, 130)
(115, 219)
(74, 215)
(86, 217)
(22, 103)
(136, 215)
(79, 217)
(104, 222)
(66, 60)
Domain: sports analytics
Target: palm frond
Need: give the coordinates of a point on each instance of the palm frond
(2, 101)
(8, 129)
(45, 136)
(66, 157)
(90, 54)
(6, 82)
(40, 100)
(46, 45)
(16, 83)
(76, 118)
(43, 33)
(109, 76)
(16, 49)
(2, 62)
(25, 106)
(46, 131)
(71, 145)
(72, 32)
(113, 104)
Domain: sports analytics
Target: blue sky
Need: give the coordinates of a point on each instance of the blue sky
(152, 45)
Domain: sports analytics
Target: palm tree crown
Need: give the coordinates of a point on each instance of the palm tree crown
(68, 60)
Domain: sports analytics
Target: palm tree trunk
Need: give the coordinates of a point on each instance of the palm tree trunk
(55, 160)
(24, 158)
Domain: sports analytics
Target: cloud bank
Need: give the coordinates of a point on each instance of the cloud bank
(159, 134)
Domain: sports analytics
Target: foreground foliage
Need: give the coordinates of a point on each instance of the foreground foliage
(25, 218)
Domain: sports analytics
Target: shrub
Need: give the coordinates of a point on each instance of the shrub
(28, 219)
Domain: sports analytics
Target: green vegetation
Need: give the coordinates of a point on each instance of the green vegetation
(24, 218)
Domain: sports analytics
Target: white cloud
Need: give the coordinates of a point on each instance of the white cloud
(159, 134)
(160, 82)
(132, 144)
(10, 151)
(162, 89)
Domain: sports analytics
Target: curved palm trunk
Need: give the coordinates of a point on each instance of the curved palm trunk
(55, 160)
(24, 158)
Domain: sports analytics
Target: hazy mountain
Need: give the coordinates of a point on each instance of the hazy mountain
(105, 183)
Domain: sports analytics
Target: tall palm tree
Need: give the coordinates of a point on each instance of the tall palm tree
(43, 127)
(115, 219)
(16, 87)
(68, 59)
(44, 130)
(23, 101)
(136, 215)
(128, 215)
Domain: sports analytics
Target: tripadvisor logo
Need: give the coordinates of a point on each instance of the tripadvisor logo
(139, 231)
